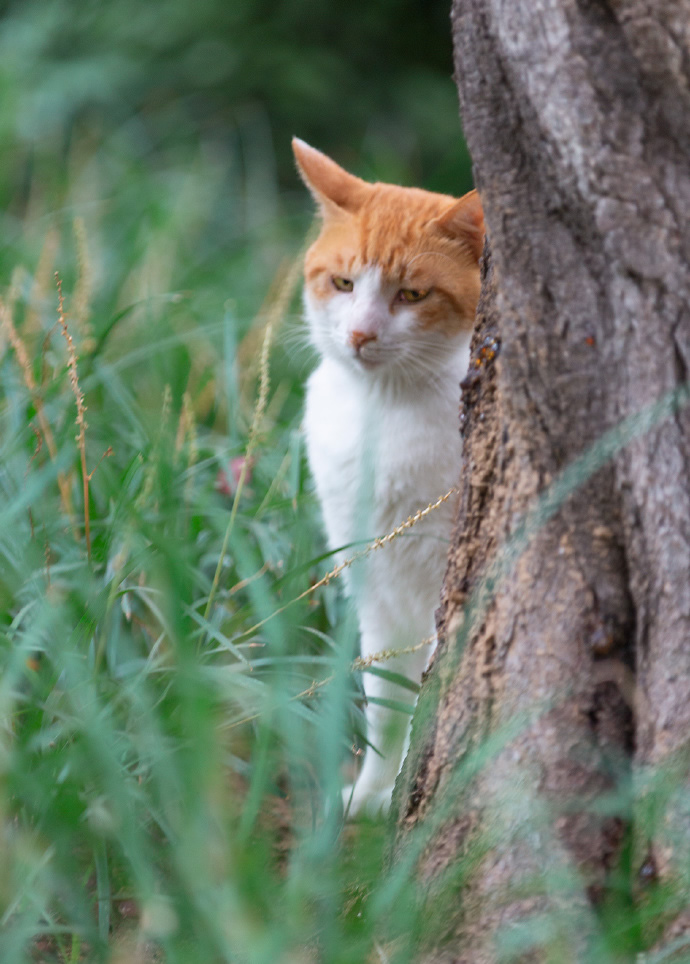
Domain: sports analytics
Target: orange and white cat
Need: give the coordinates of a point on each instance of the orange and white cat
(391, 289)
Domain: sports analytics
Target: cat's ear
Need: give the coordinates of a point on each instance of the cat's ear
(464, 221)
(334, 190)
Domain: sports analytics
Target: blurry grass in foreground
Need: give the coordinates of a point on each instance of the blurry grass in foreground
(177, 700)
(167, 775)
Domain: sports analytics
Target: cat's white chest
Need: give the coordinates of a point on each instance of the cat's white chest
(378, 456)
(333, 423)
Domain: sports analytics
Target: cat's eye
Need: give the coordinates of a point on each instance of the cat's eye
(411, 295)
(342, 284)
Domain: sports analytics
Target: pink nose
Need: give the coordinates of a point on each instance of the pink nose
(360, 338)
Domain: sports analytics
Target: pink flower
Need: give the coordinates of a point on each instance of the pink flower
(228, 478)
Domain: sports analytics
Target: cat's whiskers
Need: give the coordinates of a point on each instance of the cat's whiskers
(297, 344)
(292, 331)
(406, 375)
(427, 357)
(364, 275)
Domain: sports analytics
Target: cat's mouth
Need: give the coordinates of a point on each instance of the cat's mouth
(368, 364)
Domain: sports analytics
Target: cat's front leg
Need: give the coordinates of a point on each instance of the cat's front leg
(387, 729)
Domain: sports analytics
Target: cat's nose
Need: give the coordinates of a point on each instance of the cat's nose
(360, 338)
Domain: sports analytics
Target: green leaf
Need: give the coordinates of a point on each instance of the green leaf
(392, 677)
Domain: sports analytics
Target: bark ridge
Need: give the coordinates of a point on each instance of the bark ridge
(565, 664)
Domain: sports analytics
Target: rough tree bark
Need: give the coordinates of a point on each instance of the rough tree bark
(574, 631)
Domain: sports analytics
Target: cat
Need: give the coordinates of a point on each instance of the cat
(391, 290)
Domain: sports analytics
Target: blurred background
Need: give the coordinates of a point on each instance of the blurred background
(178, 703)
(176, 693)
(174, 119)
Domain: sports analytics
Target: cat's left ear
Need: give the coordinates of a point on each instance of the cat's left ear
(464, 221)
(333, 189)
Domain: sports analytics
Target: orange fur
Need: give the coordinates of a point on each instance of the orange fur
(392, 284)
(418, 239)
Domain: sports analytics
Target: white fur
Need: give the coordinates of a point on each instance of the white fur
(383, 441)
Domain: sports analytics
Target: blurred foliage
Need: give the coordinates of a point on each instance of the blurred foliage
(176, 705)
(170, 754)
(370, 82)
(165, 127)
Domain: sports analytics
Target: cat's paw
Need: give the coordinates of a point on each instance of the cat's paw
(362, 801)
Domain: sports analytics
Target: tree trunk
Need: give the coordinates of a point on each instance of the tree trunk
(550, 747)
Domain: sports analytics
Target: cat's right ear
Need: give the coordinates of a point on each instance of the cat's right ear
(333, 189)
(464, 221)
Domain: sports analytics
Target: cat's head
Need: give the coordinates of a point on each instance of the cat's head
(392, 281)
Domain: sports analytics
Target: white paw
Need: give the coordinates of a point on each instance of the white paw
(363, 801)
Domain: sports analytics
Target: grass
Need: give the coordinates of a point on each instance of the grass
(176, 688)
(177, 695)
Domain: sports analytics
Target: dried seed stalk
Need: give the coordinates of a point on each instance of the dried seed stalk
(81, 301)
(362, 662)
(363, 553)
(7, 325)
(41, 287)
(81, 410)
(186, 431)
(273, 317)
